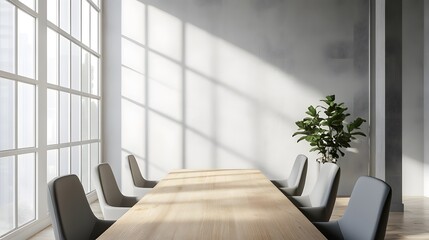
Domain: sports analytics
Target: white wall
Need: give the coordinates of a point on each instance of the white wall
(219, 84)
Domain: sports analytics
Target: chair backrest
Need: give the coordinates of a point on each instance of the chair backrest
(368, 210)
(298, 174)
(109, 187)
(138, 179)
(71, 215)
(325, 190)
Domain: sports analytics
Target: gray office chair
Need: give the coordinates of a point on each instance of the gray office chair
(294, 184)
(112, 202)
(71, 215)
(367, 214)
(318, 205)
(138, 179)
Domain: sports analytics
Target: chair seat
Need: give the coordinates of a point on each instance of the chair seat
(301, 201)
(112, 202)
(280, 183)
(331, 230)
(318, 205)
(294, 184)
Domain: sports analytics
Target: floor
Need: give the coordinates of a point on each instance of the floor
(413, 223)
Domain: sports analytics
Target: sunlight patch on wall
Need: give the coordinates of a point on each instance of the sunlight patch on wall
(133, 20)
(133, 85)
(165, 33)
(200, 103)
(133, 56)
(165, 144)
(133, 127)
(165, 86)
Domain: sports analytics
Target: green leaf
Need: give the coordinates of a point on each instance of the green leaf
(301, 138)
(330, 98)
(358, 133)
(311, 111)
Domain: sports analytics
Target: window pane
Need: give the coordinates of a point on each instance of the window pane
(64, 62)
(7, 186)
(75, 118)
(85, 118)
(85, 22)
(26, 188)
(26, 115)
(7, 37)
(75, 67)
(65, 15)
(94, 158)
(26, 45)
(7, 114)
(94, 119)
(75, 19)
(52, 119)
(94, 29)
(85, 167)
(94, 75)
(85, 71)
(52, 164)
(64, 161)
(64, 117)
(53, 11)
(75, 160)
(30, 3)
(52, 46)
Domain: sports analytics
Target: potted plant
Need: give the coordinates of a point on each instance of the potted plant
(326, 130)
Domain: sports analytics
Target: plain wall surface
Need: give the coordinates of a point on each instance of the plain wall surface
(412, 98)
(220, 84)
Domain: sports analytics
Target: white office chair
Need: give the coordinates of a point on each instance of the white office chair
(71, 215)
(112, 202)
(366, 216)
(140, 185)
(318, 205)
(294, 184)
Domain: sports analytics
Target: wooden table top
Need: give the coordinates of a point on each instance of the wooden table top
(213, 204)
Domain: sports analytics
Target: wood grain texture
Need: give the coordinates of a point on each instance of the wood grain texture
(213, 204)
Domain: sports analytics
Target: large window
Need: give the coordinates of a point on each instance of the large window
(73, 100)
(69, 108)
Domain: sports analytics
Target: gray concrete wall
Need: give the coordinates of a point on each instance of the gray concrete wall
(412, 98)
(426, 99)
(219, 84)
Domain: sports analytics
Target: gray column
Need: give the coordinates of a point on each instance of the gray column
(426, 98)
(393, 111)
(377, 86)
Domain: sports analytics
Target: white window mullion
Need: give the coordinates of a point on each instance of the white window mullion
(16, 42)
(93, 5)
(25, 8)
(73, 39)
(13, 152)
(15, 188)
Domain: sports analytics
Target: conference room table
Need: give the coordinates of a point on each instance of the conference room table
(213, 204)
